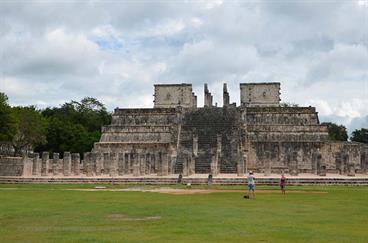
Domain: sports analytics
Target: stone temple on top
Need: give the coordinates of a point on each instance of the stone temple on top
(177, 137)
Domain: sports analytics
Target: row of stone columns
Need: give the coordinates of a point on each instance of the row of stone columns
(319, 167)
(188, 163)
(46, 166)
(344, 165)
(118, 164)
(97, 164)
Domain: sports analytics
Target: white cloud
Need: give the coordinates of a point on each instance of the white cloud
(168, 28)
(116, 51)
(322, 106)
(352, 113)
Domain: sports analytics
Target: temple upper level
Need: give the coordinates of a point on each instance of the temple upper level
(266, 94)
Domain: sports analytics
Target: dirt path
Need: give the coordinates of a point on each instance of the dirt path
(195, 191)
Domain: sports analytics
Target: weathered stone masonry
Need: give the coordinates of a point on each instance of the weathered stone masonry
(178, 137)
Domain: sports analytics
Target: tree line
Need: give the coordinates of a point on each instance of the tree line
(76, 125)
(339, 133)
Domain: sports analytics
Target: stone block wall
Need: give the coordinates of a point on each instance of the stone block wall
(173, 95)
(11, 166)
(281, 156)
(345, 157)
(260, 94)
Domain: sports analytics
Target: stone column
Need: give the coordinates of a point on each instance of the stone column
(195, 145)
(207, 97)
(226, 96)
(240, 166)
(156, 158)
(345, 163)
(218, 154)
(113, 165)
(106, 163)
(321, 167)
(214, 165)
(88, 168)
(36, 167)
(314, 163)
(55, 163)
(338, 163)
(121, 164)
(165, 164)
(45, 164)
(244, 162)
(351, 169)
(81, 167)
(158, 165)
(142, 163)
(294, 168)
(322, 170)
(27, 165)
(136, 168)
(185, 165)
(67, 163)
(363, 162)
(191, 165)
(99, 163)
(76, 163)
(172, 164)
(148, 164)
(267, 167)
(127, 163)
(219, 143)
(85, 163)
(93, 162)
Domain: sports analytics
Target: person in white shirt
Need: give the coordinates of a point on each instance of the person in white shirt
(251, 185)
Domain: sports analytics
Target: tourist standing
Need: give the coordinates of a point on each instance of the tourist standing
(282, 183)
(251, 185)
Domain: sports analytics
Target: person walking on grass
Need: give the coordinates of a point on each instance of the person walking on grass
(282, 183)
(251, 185)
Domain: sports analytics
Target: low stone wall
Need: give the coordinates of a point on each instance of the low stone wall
(339, 158)
(185, 180)
(11, 166)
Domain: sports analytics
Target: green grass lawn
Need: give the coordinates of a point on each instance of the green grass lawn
(50, 213)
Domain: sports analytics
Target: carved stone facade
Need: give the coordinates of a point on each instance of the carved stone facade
(176, 137)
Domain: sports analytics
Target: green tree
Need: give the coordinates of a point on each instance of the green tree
(30, 128)
(7, 120)
(360, 135)
(336, 132)
(75, 126)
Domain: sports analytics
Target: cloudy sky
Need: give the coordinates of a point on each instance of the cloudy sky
(115, 51)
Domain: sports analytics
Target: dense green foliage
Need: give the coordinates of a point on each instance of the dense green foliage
(336, 132)
(54, 213)
(360, 135)
(7, 120)
(74, 126)
(30, 128)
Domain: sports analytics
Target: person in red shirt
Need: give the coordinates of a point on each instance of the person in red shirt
(282, 183)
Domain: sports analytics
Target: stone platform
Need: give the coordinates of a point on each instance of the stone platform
(198, 179)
